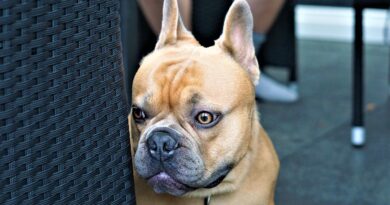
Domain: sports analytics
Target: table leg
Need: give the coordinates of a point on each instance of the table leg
(293, 78)
(358, 130)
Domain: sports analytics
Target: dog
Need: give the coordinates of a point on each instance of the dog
(195, 134)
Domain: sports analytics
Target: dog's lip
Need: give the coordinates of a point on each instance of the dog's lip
(163, 177)
(168, 181)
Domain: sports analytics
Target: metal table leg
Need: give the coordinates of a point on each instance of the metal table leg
(358, 130)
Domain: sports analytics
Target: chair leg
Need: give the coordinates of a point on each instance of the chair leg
(293, 78)
(358, 130)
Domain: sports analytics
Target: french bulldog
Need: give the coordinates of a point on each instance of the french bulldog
(195, 133)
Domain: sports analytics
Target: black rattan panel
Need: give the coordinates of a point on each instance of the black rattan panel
(64, 136)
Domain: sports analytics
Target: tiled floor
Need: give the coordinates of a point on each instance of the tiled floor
(318, 164)
(330, 171)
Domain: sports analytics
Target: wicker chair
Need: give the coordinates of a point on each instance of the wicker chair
(64, 135)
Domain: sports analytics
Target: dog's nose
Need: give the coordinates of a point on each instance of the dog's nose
(162, 145)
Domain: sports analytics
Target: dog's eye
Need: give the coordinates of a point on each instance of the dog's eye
(138, 114)
(205, 118)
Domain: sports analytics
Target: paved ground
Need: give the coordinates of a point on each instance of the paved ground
(319, 166)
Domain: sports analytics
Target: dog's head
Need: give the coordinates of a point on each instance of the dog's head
(193, 107)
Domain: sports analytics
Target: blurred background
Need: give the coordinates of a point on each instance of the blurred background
(312, 136)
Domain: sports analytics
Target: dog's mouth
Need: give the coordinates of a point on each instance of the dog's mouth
(163, 183)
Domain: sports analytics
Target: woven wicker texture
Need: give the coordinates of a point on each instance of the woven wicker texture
(64, 136)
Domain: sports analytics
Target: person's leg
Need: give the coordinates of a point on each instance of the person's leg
(264, 14)
(152, 10)
(185, 7)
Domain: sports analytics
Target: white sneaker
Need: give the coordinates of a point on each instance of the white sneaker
(270, 90)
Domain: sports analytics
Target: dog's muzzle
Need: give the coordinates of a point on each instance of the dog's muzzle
(169, 164)
(162, 145)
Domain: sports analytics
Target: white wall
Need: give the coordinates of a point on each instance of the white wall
(336, 23)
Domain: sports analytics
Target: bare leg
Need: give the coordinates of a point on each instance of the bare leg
(185, 7)
(264, 13)
(152, 10)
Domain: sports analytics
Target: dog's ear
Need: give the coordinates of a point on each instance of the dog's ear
(236, 38)
(172, 28)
